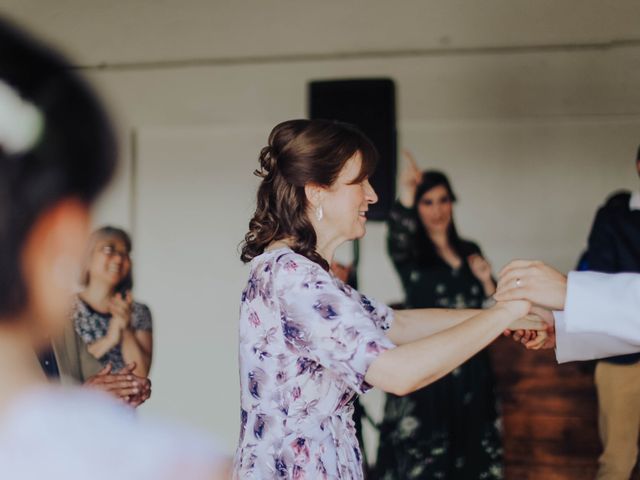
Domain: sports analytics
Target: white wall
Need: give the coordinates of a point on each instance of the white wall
(532, 107)
(122, 33)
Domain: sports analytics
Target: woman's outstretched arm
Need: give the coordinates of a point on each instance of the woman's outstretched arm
(411, 325)
(414, 365)
(414, 324)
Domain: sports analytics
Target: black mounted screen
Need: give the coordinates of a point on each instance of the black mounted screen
(369, 104)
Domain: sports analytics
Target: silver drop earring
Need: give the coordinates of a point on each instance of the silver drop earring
(319, 213)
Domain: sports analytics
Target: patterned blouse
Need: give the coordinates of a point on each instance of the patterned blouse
(91, 325)
(306, 342)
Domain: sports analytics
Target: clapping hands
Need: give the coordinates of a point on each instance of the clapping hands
(120, 308)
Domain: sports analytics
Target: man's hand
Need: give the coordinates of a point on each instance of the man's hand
(536, 339)
(533, 281)
(124, 385)
(543, 340)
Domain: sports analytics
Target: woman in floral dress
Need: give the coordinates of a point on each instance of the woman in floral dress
(308, 342)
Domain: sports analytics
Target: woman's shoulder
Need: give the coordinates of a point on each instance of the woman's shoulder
(141, 308)
(291, 273)
(142, 318)
(80, 306)
(70, 430)
(469, 247)
(285, 261)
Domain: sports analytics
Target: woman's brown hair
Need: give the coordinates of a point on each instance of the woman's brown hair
(301, 152)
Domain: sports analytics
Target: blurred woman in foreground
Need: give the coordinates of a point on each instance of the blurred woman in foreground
(56, 155)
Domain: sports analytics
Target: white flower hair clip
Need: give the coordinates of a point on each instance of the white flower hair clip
(21, 123)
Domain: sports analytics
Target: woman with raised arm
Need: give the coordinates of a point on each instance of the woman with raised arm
(450, 428)
(308, 342)
(57, 153)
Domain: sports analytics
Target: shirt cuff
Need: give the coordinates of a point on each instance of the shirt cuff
(563, 343)
(603, 303)
(571, 347)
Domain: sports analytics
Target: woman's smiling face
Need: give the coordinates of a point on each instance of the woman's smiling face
(110, 261)
(345, 204)
(435, 209)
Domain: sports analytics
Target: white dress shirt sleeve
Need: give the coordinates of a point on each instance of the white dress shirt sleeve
(571, 347)
(606, 304)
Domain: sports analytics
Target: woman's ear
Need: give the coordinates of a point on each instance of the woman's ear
(315, 194)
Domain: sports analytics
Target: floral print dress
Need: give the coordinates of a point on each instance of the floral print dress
(306, 342)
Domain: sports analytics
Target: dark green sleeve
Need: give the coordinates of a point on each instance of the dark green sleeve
(402, 225)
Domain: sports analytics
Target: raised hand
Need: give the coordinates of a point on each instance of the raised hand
(533, 281)
(120, 308)
(118, 323)
(481, 269)
(410, 178)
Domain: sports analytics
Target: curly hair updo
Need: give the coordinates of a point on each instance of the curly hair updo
(301, 152)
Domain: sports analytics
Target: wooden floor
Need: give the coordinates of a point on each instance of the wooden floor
(550, 426)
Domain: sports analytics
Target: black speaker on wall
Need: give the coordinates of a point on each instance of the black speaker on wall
(370, 104)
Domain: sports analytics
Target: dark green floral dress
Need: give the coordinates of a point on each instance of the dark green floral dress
(450, 429)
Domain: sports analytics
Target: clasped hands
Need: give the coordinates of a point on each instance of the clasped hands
(124, 385)
(541, 285)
